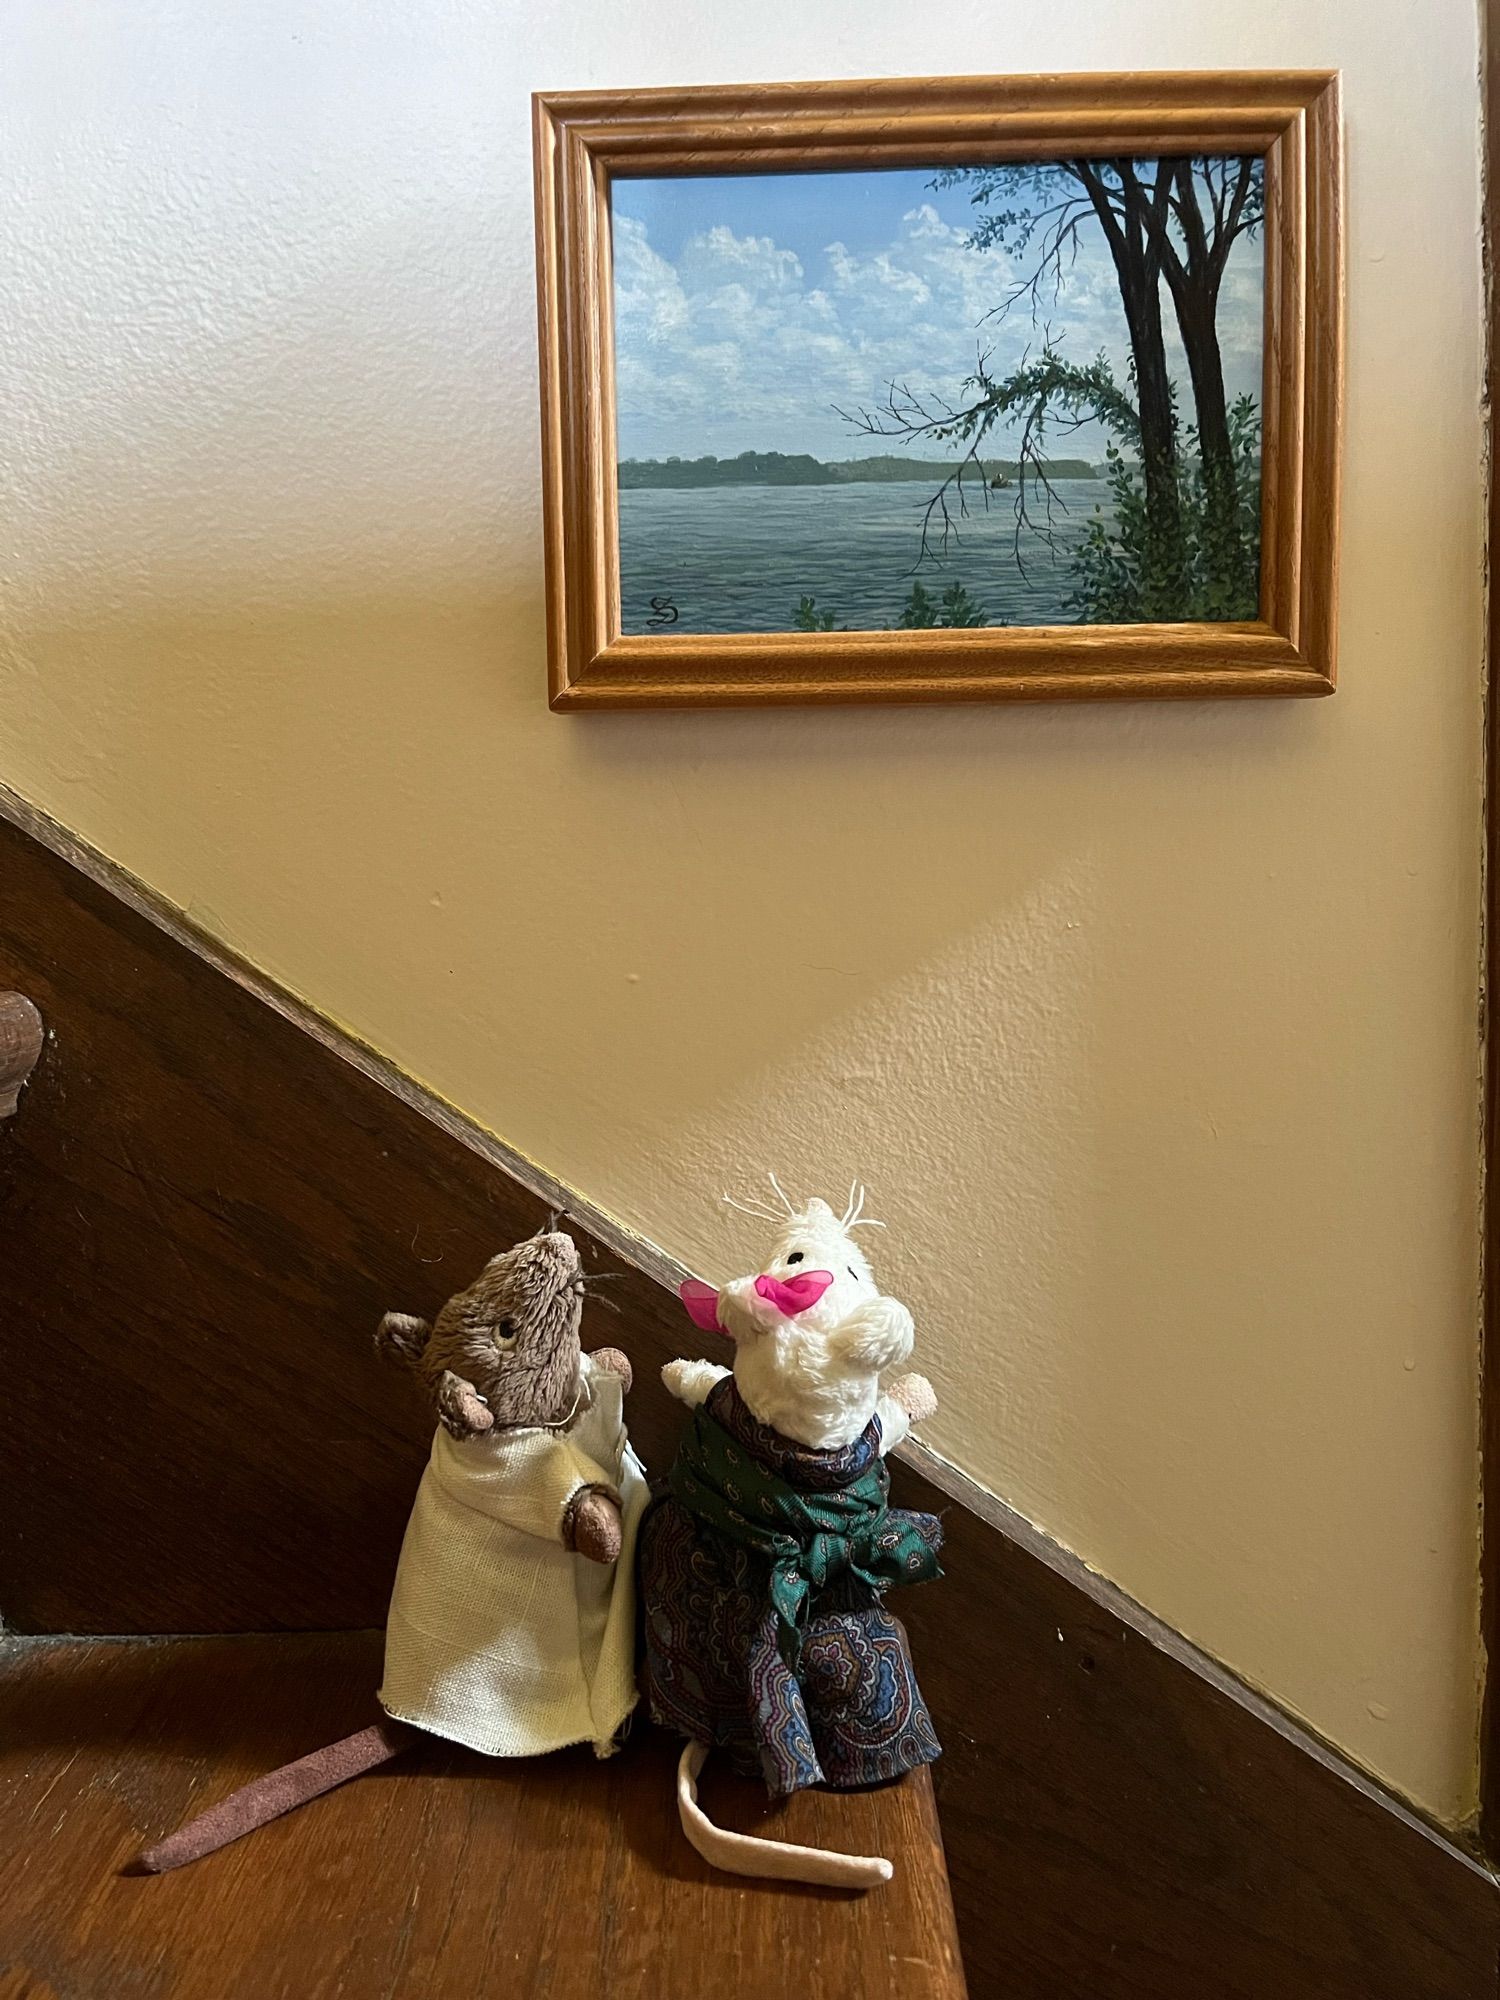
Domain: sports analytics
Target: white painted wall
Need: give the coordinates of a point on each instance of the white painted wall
(1151, 1028)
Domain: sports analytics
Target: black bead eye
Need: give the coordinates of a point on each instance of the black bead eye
(505, 1333)
(796, 1257)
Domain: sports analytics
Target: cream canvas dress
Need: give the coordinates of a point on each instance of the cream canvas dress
(498, 1636)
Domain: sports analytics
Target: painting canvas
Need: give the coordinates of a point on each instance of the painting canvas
(1019, 394)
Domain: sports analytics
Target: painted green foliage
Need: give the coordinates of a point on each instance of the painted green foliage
(1183, 541)
(921, 612)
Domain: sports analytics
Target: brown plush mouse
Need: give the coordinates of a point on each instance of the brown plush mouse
(525, 1520)
(505, 1353)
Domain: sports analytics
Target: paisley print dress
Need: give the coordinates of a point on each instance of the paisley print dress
(763, 1567)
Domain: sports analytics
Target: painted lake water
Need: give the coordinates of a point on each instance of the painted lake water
(738, 558)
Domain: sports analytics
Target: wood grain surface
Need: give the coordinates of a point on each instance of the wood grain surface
(583, 140)
(448, 1874)
(202, 1212)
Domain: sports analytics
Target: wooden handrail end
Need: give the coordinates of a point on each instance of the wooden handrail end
(21, 1038)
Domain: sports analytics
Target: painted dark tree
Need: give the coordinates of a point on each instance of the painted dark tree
(1185, 539)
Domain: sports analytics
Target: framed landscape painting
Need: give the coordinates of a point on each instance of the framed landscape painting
(946, 390)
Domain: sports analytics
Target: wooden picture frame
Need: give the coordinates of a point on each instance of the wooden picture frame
(585, 140)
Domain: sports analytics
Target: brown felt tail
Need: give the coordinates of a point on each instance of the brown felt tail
(278, 1792)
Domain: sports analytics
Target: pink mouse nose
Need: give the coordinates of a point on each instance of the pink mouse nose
(794, 1295)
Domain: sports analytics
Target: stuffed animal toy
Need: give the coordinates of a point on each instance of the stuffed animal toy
(765, 1561)
(512, 1623)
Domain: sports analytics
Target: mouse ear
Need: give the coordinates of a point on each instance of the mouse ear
(402, 1337)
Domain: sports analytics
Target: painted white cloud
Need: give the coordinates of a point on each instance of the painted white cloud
(737, 346)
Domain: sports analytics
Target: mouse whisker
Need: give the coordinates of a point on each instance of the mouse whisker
(755, 1208)
(603, 1300)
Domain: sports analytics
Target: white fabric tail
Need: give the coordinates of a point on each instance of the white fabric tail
(781, 1861)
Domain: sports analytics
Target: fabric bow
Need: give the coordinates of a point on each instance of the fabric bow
(790, 1296)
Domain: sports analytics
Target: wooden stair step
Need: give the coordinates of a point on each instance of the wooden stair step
(446, 1873)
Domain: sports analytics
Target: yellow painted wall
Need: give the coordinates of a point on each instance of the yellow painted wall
(1152, 1029)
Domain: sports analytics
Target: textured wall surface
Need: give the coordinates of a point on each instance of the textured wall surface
(1151, 1028)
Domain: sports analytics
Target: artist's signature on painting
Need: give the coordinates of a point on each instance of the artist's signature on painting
(664, 612)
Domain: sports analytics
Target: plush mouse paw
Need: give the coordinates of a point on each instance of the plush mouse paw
(612, 1362)
(690, 1381)
(460, 1407)
(914, 1394)
(876, 1335)
(591, 1526)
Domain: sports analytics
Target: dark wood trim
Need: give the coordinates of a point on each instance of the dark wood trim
(203, 1209)
(1114, 1603)
(1489, 1735)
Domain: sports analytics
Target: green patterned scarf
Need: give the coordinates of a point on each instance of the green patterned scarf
(809, 1539)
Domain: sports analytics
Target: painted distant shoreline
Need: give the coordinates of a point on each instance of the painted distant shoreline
(775, 468)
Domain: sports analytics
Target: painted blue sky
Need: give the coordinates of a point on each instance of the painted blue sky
(802, 213)
(748, 306)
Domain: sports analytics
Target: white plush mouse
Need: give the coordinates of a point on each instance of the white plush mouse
(766, 1558)
(808, 1355)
